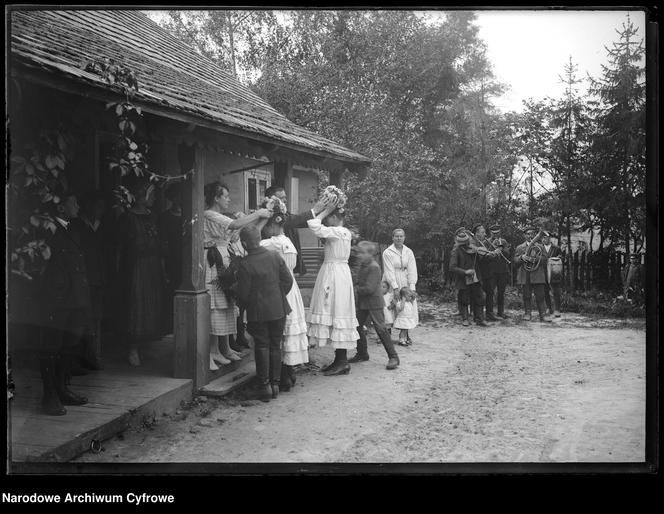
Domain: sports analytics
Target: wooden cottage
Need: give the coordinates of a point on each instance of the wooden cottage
(195, 116)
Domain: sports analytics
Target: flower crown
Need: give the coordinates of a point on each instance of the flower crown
(277, 207)
(335, 194)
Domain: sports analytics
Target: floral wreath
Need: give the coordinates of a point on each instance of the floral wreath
(277, 207)
(335, 194)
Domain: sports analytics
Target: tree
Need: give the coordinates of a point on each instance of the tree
(618, 147)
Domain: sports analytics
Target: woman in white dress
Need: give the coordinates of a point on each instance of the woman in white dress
(295, 345)
(400, 270)
(332, 318)
(217, 234)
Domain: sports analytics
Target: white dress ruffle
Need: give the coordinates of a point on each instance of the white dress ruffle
(295, 344)
(332, 318)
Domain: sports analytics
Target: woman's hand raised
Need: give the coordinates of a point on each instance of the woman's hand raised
(264, 213)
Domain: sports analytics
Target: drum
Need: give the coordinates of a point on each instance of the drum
(554, 270)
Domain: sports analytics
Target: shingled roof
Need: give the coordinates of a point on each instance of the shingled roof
(170, 73)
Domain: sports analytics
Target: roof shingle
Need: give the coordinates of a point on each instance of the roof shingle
(169, 72)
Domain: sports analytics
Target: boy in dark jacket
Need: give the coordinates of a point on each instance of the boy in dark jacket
(370, 304)
(263, 282)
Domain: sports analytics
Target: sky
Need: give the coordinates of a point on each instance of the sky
(529, 49)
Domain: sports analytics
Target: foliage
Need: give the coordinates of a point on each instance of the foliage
(37, 182)
(416, 98)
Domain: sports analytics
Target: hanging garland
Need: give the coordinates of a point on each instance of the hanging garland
(129, 151)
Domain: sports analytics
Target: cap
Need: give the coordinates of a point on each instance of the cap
(461, 237)
(530, 227)
(494, 228)
(476, 226)
(460, 230)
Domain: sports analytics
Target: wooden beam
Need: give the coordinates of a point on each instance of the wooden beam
(192, 302)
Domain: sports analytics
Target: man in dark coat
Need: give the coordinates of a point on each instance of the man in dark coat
(633, 278)
(294, 222)
(485, 265)
(370, 304)
(533, 280)
(263, 283)
(500, 267)
(464, 266)
(65, 310)
(553, 284)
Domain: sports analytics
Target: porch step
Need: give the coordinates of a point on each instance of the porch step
(230, 381)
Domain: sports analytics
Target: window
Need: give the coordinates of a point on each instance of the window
(256, 183)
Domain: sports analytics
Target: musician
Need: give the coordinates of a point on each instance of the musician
(531, 274)
(500, 268)
(464, 266)
(553, 284)
(488, 280)
(633, 278)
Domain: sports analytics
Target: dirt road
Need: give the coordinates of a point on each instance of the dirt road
(514, 392)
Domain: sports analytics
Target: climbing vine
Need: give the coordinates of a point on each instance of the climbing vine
(130, 150)
(36, 184)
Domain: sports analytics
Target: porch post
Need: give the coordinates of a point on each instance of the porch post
(192, 302)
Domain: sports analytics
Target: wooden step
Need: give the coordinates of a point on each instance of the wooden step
(231, 381)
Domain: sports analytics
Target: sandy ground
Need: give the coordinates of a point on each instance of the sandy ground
(572, 391)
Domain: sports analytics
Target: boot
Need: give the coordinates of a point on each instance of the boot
(291, 375)
(51, 403)
(393, 362)
(331, 364)
(341, 367)
(233, 344)
(240, 339)
(285, 383)
(465, 322)
(264, 392)
(359, 357)
(491, 317)
(545, 319)
(275, 389)
(67, 397)
(527, 316)
(556, 313)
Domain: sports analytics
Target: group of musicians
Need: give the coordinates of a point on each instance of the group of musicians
(481, 266)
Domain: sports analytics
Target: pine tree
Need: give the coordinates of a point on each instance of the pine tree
(619, 146)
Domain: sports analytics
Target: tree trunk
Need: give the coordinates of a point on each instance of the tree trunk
(231, 42)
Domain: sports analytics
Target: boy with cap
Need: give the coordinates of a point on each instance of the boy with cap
(463, 264)
(633, 279)
(263, 283)
(486, 271)
(501, 268)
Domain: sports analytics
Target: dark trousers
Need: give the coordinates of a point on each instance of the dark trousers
(474, 296)
(488, 285)
(555, 289)
(64, 337)
(267, 348)
(377, 317)
(500, 283)
(539, 289)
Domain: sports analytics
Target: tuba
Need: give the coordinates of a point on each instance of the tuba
(535, 252)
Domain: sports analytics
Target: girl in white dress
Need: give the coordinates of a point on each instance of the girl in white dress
(405, 318)
(217, 235)
(295, 345)
(332, 318)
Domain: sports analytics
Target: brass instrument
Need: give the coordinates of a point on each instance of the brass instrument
(534, 252)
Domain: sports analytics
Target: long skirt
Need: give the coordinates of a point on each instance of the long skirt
(332, 318)
(223, 313)
(295, 347)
